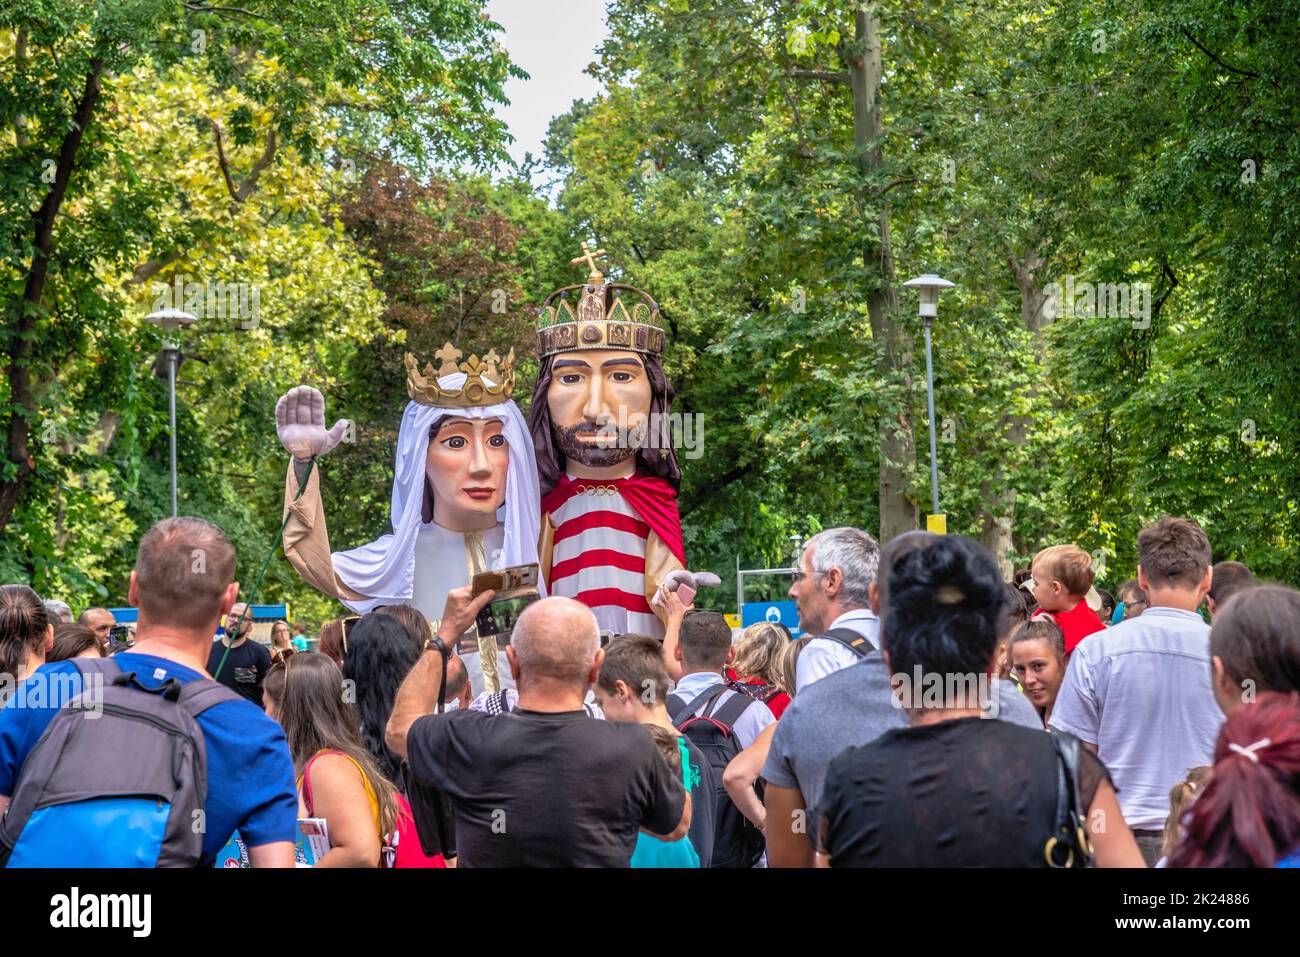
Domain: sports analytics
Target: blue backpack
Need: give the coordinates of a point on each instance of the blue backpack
(118, 779)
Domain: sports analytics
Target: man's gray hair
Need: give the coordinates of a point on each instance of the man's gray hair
(855, 553)
(58, 611)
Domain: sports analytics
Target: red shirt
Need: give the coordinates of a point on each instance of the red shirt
(1077, 624)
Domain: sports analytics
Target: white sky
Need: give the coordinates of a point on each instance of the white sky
(554, 41)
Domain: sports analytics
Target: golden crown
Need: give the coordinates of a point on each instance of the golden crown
(486, 383)
(602, 320)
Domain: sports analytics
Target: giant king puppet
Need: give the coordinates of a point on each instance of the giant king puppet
(465, 495)
(611, 534)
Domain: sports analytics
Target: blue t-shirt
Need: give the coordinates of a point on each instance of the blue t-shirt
(250, 774)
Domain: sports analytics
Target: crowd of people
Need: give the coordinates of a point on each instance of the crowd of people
(931, 714)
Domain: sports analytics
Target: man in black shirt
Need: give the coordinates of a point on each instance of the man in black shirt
(248, 662)
(543, 785)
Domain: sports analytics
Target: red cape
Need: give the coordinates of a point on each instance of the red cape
(651, 497)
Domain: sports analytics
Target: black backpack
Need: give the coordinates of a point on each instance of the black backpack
(736, 842)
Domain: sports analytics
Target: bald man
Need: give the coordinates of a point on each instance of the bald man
(100, 621)
(544, 785)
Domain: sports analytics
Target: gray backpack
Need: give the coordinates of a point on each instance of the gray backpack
(118, 779)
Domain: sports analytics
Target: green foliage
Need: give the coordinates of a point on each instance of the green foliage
(1108, 141)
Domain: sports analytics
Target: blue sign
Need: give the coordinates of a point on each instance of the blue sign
(780, 612)
(128, 616)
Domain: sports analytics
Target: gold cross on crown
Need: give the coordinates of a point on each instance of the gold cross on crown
(589, 257)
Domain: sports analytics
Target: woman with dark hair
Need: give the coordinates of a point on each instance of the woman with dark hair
(74, 641)
(379, 655)
(337, 778)
(26, 633)
(1249, 813)
(1255, 645)
(952, 789)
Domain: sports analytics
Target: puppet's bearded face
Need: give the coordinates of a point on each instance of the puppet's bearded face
(599, 400)
(466, 465)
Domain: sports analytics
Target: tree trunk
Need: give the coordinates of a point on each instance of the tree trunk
(998, 517)
(28, 308)
(898, 513)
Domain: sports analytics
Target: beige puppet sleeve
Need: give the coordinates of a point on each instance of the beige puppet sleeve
(659, 561)
(306, 539)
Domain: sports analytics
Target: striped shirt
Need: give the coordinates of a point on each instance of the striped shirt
(598, 557)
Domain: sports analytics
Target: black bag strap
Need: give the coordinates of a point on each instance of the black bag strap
(851, 640)
(1069, 845)
(729, 712)
(709, 693)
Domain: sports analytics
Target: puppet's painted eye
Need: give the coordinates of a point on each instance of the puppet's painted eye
(455, 442)
(621, 376)
(571, 379)
(497, 441)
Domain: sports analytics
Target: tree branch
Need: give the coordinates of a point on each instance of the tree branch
(242, 192)
(1231, 69)
(826, 76)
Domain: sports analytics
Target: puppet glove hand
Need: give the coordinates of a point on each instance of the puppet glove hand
(300, 424)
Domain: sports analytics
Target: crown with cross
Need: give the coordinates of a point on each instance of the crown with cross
(488, 381)
(602, 319)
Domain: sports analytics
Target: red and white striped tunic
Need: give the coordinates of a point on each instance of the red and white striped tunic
(598, 557)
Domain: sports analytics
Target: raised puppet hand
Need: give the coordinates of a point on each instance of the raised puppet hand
(300, 424)
(675, 579)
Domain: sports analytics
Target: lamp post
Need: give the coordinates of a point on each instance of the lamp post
(169, 320)
(929, 286)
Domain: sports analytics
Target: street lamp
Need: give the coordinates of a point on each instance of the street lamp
(929, 286)
(169, 320)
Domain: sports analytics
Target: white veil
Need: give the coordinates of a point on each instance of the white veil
(385, 569)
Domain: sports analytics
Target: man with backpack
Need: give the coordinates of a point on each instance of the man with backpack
(720, 722)
(165, 764)
(831, 589)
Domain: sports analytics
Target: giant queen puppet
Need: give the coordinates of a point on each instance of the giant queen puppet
(465, 495)
(611, 534)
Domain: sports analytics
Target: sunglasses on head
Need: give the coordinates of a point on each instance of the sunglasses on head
(346, 628)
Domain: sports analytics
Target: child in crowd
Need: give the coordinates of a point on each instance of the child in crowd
(651, 851)
(1062, 576)
(1181, 796)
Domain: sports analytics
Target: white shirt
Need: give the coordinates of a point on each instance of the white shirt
(1141, 692)
(825, 656)
(752, 720)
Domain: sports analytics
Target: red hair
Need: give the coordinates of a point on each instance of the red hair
(1249, 813)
